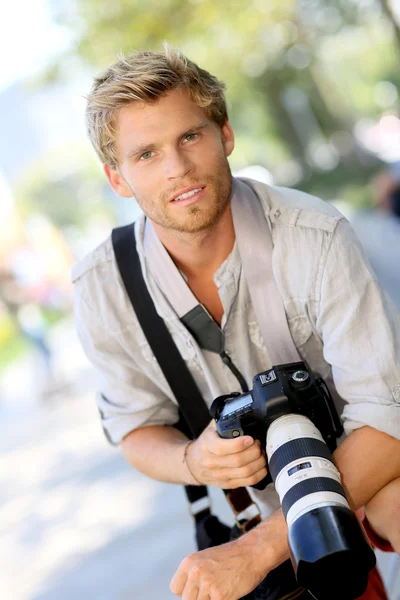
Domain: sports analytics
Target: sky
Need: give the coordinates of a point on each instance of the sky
(28, 40)
(28, 37)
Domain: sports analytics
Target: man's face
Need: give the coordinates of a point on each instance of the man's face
(173, 160)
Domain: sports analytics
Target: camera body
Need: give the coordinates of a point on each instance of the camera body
(285, 389)
(291, 412)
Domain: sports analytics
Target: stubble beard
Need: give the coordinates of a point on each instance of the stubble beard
(194, 219)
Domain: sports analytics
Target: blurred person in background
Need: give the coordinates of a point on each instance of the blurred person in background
(386, 189)
(160, 127)
(35, 289)
(23, 307)
(378, 229)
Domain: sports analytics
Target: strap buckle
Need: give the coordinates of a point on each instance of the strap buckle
(200, 508)
(246, 512)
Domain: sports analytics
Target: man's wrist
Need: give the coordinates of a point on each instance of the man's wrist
(269, 542)
(192, 480)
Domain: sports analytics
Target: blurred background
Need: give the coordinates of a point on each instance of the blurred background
(313, 97)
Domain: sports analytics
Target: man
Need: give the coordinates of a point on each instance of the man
(386, 189)
(160, 127)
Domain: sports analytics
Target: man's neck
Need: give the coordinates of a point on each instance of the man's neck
(200, 254)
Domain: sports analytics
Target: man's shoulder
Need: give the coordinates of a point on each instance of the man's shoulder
(98, 259)
(99, 293)
(293, 208)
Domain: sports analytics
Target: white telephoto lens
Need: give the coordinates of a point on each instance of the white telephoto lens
(301, 467)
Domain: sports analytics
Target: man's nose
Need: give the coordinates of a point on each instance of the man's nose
(177, 164)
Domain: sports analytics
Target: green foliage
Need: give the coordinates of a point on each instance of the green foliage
(69, 187)
(332, 51)
(12, 349)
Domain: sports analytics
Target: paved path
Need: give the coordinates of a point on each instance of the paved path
(76, 521)
(379, 234)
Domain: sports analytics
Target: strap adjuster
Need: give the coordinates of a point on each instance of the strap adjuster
(200, 508)
(246, 512)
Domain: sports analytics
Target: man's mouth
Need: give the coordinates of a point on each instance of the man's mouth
(185, 195)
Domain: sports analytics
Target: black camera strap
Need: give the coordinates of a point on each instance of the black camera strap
(194, 414)
(194, 316)
(179, 377)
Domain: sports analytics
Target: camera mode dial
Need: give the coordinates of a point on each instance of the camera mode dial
(300, 377)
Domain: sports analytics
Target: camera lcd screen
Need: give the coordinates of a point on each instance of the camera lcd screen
(236, 404)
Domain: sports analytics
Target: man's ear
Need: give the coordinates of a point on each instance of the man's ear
(117, 182)
(228, 138)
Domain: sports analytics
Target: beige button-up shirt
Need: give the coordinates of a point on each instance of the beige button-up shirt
(342, 322)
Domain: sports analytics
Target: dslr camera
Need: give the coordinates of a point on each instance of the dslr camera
(291, 412)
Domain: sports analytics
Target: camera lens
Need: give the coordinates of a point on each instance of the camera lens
(323, 533)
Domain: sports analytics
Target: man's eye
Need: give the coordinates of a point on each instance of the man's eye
(191, 137)
(146, 155)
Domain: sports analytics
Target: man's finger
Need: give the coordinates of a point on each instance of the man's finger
(179, 580)
(235, 483)
(191, 591)
(203, 594)
(240, 459)
(243, 472)
(223, 447)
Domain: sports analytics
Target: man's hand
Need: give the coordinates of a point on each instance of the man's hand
(226, 463)
(232, 570)
(227, 572)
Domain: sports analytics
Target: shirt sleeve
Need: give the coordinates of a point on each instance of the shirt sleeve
(373, 537)
(360, 329)
(128, 396)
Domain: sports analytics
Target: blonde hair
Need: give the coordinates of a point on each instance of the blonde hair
(147, 76)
